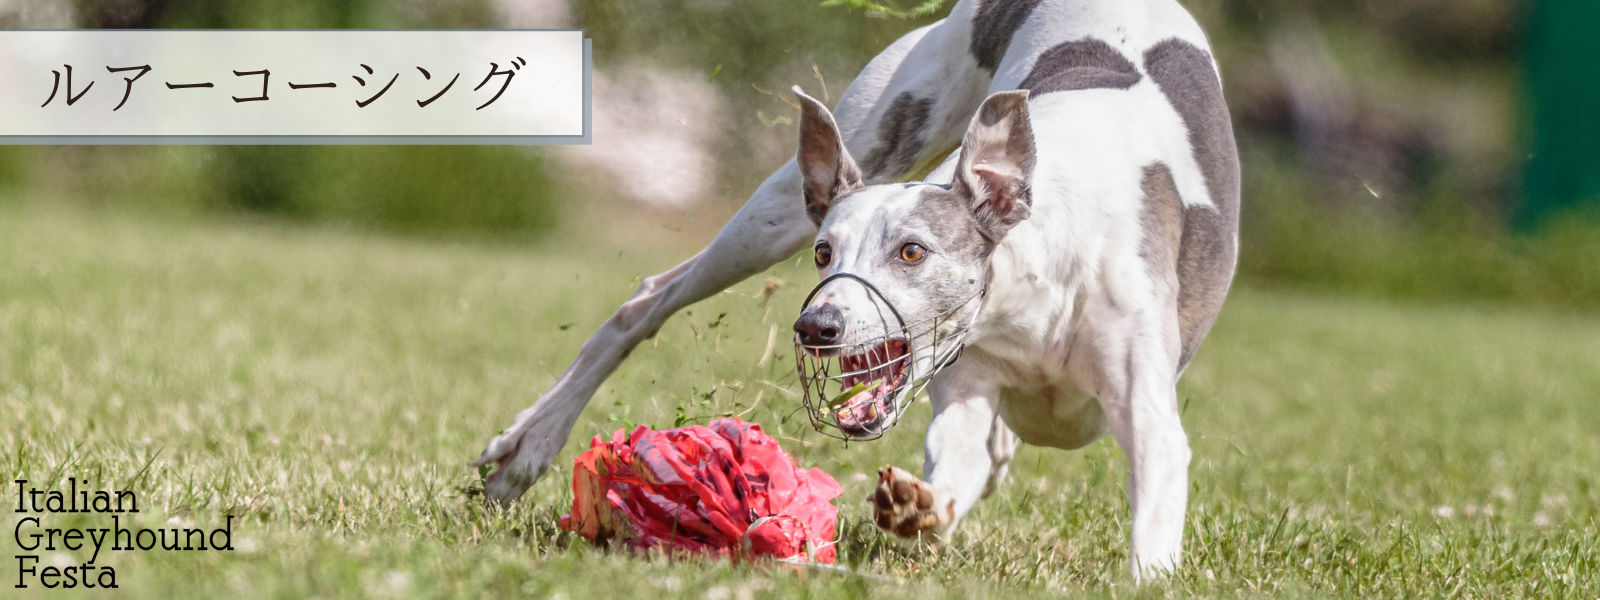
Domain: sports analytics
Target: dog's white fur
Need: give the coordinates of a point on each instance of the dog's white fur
(1076, 330)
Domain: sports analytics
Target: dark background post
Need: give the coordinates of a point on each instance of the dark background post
(1562, 64)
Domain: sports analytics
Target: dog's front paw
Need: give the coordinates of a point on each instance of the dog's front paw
(904, 505)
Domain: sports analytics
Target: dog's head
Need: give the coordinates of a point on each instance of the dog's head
(917, 254)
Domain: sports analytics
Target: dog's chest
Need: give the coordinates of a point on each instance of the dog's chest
(1042, 406)
(1041, 276)
(1026, 344)
(1026, 333)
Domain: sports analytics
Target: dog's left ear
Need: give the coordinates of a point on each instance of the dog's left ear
(995, 172)
(826, 169)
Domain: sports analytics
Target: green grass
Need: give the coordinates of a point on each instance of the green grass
(329, 390)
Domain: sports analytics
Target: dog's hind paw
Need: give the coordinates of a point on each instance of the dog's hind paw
(904, 505)
(521, 455)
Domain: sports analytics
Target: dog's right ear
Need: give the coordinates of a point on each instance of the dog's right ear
(826, 169)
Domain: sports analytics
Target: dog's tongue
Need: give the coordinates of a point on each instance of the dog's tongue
(884, 367)
(860, 409)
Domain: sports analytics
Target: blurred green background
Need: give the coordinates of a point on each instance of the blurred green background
(1417, 149)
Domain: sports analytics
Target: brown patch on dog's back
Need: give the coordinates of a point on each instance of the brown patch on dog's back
(1083, 64)
(992, 27)
(1186, 77)
(902, 133)
(1205, 269)
(1183, 248)
(1162, 220)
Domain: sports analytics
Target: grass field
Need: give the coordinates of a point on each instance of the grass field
(329, 389)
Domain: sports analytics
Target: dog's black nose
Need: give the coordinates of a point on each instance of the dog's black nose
(820, 326)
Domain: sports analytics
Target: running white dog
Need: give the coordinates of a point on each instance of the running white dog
(1091, 210)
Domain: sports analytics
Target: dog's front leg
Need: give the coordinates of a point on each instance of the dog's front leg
(967, 450)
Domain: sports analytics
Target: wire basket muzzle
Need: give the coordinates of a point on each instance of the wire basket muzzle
(859, 390)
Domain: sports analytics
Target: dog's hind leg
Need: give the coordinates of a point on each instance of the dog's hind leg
(1002, 448)
(770, 227)
(908, 107)
(1129, 354)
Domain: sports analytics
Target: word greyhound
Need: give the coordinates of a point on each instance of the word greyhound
(1073, 160)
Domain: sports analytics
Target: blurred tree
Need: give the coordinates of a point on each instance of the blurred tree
(261, 178)
(433, 190)
(221, 14)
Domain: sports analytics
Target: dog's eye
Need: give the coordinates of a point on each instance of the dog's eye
(824, 256)
(912, 253)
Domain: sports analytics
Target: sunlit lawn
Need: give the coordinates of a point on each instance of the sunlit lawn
(329, 389)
